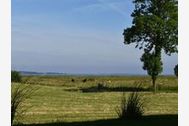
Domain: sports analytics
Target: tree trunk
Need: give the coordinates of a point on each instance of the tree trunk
(154, 84)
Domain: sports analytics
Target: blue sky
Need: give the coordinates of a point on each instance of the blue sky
(75, 36)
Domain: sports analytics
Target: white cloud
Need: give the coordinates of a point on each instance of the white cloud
(101, 5)
(114, 6)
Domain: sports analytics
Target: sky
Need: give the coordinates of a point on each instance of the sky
(76, 37)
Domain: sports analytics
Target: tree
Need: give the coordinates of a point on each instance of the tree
(154, 29)
(15, 76)
(153, 65)
(176, 70)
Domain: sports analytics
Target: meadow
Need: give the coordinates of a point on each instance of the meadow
(93, 100)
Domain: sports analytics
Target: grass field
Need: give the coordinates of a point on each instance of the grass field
(92, 100)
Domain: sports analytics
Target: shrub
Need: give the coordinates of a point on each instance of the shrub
(18, 96)
(84, 80)
(72, 80)
(101, 87)
(131, 107)
(176, 70)
(15, 76)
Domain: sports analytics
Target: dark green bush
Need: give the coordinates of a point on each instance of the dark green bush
(176, 70)
(84, 80)
(131, 107)
(101, 86)
(15, 76)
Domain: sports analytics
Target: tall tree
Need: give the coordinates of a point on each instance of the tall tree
(154, 29)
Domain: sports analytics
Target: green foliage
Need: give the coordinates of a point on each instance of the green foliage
(15, 76)
(101, 86)
(153, 65)
(176, 70)
(154, 28)
(131, 108)
(155, 23)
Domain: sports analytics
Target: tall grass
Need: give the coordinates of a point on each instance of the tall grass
(19, 95)
(131, 107)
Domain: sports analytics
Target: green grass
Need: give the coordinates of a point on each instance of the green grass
(59, 101)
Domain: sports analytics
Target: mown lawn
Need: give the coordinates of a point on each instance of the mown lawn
(77, 101)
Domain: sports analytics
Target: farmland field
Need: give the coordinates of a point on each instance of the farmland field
(93, 100)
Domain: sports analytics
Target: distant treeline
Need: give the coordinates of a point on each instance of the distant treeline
(39, 73)
(29, 73)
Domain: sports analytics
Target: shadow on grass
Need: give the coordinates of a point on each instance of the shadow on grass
(114, 89)
(125, 89)
(152, 120)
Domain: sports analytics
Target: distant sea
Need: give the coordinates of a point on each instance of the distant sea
(29, 73)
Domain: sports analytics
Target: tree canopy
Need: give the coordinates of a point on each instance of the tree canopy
(155, 25)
